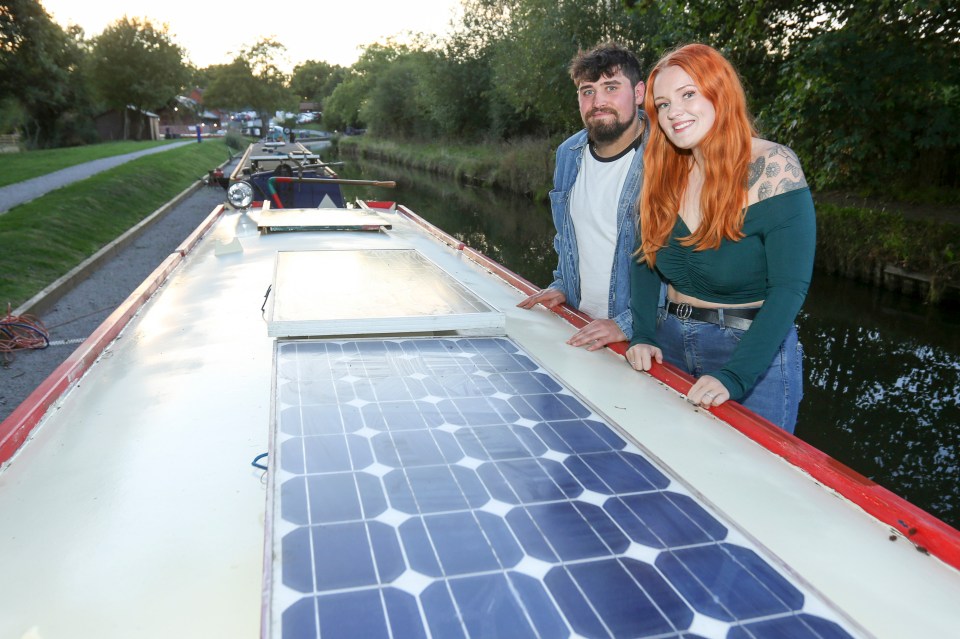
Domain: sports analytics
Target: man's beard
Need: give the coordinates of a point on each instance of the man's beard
(604, 131)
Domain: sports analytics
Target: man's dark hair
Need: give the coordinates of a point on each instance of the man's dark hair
(605, 59)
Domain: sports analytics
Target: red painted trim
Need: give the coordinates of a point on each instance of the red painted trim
(15, 429)
(926, 532)
(194, 238)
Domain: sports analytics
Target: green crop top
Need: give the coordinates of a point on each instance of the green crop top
(773, 262)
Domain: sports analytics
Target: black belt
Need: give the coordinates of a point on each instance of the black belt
(738, 318)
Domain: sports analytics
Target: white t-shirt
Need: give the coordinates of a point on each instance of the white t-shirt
(593, 209)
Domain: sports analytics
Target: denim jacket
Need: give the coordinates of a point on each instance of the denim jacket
(566, 277)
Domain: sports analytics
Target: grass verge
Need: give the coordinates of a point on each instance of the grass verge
(31, 164)
(519, 166)
(44, 239)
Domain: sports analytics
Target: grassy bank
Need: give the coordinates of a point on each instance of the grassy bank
(915, 255)
(865, 243)
(31, 164)
(524, 166)
(44, 239)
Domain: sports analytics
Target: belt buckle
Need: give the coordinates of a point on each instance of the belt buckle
(684, 311)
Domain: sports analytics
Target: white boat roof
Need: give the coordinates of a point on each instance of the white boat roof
(133, 508)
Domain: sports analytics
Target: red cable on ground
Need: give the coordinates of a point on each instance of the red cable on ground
(19, 332)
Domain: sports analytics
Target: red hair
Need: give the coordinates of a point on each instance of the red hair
(726, 152)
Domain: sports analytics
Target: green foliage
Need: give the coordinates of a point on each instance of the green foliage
(342, 108)
(135, 63)
(252, 80)
(875, 103)
(314, 81)
(857, 242)
(41, 77)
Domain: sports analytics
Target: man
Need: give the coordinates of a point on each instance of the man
(597, 180)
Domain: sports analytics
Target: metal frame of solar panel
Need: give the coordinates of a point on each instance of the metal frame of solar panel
(451, 487)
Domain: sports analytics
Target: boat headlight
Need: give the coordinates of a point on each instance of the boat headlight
(240, 195)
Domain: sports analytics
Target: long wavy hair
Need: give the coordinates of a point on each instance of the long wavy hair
(726, 151)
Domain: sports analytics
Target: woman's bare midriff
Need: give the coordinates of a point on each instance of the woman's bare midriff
(679, 298)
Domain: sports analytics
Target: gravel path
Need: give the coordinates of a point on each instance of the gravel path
(74, 317)
(14, 194)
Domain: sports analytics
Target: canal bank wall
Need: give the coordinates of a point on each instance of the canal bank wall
(898, 247)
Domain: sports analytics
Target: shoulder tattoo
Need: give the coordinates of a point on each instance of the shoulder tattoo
(754, 171)
(781, 174)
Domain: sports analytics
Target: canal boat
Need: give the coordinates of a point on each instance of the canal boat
(336, 422)
(288, 174)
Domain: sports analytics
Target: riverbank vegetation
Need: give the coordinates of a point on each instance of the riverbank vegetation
(44, 239)
(827, 79)
(918, 255)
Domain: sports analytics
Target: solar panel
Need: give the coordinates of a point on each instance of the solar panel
(451, 487)
(337, 292)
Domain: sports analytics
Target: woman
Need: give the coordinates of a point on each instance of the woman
(727, 221)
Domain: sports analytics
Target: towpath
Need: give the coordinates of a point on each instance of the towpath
(20, 192)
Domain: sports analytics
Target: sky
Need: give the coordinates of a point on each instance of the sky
(318, 30)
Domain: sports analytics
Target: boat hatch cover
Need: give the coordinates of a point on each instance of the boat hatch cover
(371, 291)
(322, 219)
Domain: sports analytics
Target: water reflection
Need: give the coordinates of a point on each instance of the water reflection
(883, 371)
(883, 390)
(503, 226)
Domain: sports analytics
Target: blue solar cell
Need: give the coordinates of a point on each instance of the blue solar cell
(500, 442)
(624, 599)
(524, 481)
(320, 391)
(333, 453)
(333, 497)
(728, 582)
(433, 489)
(525, 383)
(801, 626)
(300, 620)
(404, 614)
(352, 614)
(424, 506)
(546, 407)
(297, 568)
(476, 411)
(404, 448)
(616, 472)
(540, 608)
(456, 384)
(421, 555)
(572, 530)
(664, 520)
(442, 615)
(579, 436)
(401, 415)
(343, 557)
(452, 533)
(490, 607)
(321, 419)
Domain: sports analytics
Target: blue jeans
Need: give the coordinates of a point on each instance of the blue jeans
(696, 347)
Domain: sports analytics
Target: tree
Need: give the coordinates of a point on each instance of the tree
(252, 80)
(42, 88)
(136, 64)
(872, 97)
(314, 81)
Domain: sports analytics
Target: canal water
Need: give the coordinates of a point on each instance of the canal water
(882, 391)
